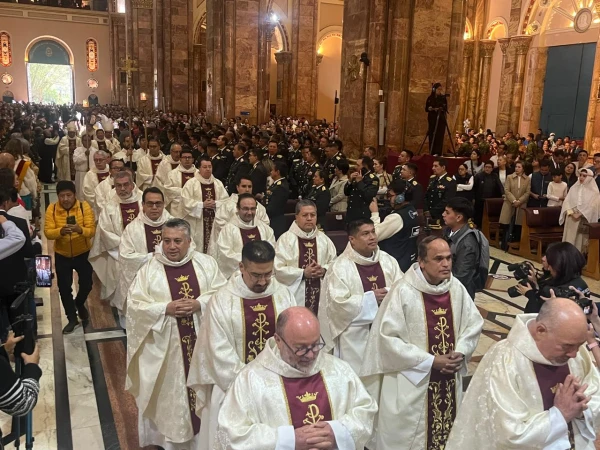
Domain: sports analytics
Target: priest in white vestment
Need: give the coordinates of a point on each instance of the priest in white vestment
(537, 389)
(304, 253)
(100, 143)
(164, 309)
(176, 180)
(201, 197)
(293, 395)
(419, 345)
(105, 191)
(65, 168)
(97, 173)
(228, 208)
(130, 155)
(239, 319)
(148, 165)
(354, 286)
(138, 242)
(112, 142)
(241, 229)
(115, 216)
(169, 163)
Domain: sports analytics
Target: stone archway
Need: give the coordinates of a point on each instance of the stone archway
(49, 71)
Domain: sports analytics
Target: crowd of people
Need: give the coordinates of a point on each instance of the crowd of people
(249, 328)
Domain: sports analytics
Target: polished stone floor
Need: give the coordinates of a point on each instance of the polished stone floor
(82, 403)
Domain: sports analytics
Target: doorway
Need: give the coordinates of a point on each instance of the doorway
(50, 73)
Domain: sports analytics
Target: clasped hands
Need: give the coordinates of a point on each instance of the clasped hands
(69, 229)
(570, 398)
(314, 270)
(318, 436)
(209, 204)
(448, 364)
(183, 307)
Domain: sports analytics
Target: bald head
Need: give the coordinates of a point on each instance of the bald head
(296, 320)
(559, 330)
(298, 337)
(7, 161)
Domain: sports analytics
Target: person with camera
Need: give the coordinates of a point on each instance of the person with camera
(563, 267)
(436, 108)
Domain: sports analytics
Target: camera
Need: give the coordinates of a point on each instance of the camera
(521, 273)
(22, 323)
(565, 292)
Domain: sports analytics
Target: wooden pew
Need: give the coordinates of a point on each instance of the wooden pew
(592, 268)
(540, 227)
(490, 225)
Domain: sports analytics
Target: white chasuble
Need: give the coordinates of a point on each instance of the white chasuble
(234, 330)
(137, 246)
(227, 250)
(228, 209)
(164, 168)
(80, 161)
(176, 180)
(296, 250)
(509, 402)
(115, 216)
(416, 322)
(194, 193)
(65, 168)
(147, 166)
(91, 180)
(348, 305)
(269, 399)
(159, 347)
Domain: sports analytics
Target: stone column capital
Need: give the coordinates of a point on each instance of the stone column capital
(487, 47)
(283, 57)
(468, 48)
(521, 43)
(319, 58)
(141, 4)
(597, 7)
(504, 44)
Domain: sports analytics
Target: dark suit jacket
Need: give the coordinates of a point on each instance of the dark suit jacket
(13, 268)
(259, 176)
(276, 201)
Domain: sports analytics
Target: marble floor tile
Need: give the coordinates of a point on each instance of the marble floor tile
(84, 411)
(45, 440)
(88, 438)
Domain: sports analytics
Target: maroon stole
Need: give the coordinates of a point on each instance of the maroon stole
(441, 402)
(250, 235)
(174, 165)
(548, 378)
(155, 163)
(258, 316)
(153, 237)
(101, 145)
(129, 211)
(72, 147)
(372, 277)
(183, 283)
(102, 176)
(307, 254)
(185, 177)
(307, 400)
(208, 215)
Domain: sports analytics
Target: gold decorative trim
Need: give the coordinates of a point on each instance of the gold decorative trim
(142, 4)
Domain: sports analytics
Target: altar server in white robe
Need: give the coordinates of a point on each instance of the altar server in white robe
(201, 197)
(295, 396)
(241, 229)
(113, 143)
(97, 174)
(239, 319)
(354, 286)
(138, 243)
(304, 254)
(100, 143)
(115, 216)
(537, 389)
(105, 191)
(65, 168)
(128, 154)
(425, 332)
(169, 163)
(228, 207)
(176, 181)
(164, 309)
(81, 161)
(148, 165)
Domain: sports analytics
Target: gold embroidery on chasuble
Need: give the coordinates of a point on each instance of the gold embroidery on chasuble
(208, 215)
(441, 392)
(258, 319)
(307, 254)
(153, 237)
(307, 400)
(129, 211)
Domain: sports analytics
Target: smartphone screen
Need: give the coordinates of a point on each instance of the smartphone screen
(71, 220)
(43, 269)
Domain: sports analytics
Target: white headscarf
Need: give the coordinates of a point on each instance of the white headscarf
(585, 197)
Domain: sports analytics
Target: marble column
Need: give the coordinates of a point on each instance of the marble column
(214, 58)
(284, 61)
(537, 61)
(247, 20)
(506, 87)
(229, 40)
(305, 26)
(521, 45)
(486, 52)
(117, 34)
(465, 82)
(456, 48)
(592, 127)
(142, 52)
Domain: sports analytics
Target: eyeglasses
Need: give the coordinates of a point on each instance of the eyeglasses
(261, 276)
(248, 209)
(154, 204)
(187, 157)
(315, 348)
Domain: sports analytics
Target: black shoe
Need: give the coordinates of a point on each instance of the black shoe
(70, 327)
(84, 315)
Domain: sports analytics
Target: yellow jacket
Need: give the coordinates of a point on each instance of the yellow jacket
(70, 245)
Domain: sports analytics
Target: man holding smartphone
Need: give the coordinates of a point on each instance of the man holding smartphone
(71, 224)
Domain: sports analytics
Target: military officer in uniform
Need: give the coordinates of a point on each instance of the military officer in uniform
(295, 154)
(296, 176)
(258, 174)
(239, 166)
(403, 158)
(360, 190)
(441, 189)
(414, 190)
(277, 197)
(321, 196)
(333, 156)
(218, 163)
(311, 166)
(274, 154)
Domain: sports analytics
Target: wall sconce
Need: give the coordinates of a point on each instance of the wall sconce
(143, 96)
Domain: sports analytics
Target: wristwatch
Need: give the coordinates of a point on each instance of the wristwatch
(592, 345)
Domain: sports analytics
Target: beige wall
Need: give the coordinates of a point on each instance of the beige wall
(330, 15)
(25, 29)
(329, 77)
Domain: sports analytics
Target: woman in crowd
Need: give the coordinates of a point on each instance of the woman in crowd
(486, 184)
(475, 165)
(582, 206)
(384, 178)
(516, 193)
(464, 182)
(562, 266)
(339, 201)
(503, 171)
(570, 177)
